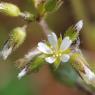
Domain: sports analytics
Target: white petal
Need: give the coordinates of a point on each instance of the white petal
(52, 38)
(79, 25)
(50, 60)
(65, 58)
(44, 48)
(6, 51)
(89, 74)
(22, 73)
(65, 43)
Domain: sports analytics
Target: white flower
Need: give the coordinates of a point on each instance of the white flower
(55, 51)
(57, 48)
(22, 73)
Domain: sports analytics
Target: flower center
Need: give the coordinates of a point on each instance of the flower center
(57, 53)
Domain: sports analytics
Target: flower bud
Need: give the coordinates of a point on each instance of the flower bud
(53, 5)
(73, 31)
(38, 2)
(47, 6)
(16, 38)
(39, 5)
(9, 9)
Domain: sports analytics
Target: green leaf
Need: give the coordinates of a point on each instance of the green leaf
(66, 74)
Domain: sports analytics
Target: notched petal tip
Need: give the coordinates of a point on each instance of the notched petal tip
(52, 38)
(65, 58)
(79, 25)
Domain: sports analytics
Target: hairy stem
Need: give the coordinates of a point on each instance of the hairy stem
(45, 27)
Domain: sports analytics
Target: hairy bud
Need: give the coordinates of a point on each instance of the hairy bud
(9, 9)
(16, 38)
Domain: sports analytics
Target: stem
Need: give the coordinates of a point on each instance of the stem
(45, 27)
(40, 19)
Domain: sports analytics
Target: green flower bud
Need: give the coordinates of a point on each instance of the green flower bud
(39, 4)
(73, 31)
(47, 6)
(36, 64)
(9, 9)
(53, 5)
(30, 66)
(16, 38)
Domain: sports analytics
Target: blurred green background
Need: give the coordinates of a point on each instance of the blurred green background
(43, 82)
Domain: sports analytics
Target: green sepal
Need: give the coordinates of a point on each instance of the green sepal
(74, 57)
(39, 6)
(56, 64)
(47, 6)
(41, 9)
(72, 33)
(60, 40)
(52, 5)
(36, 63)
(67, 51)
